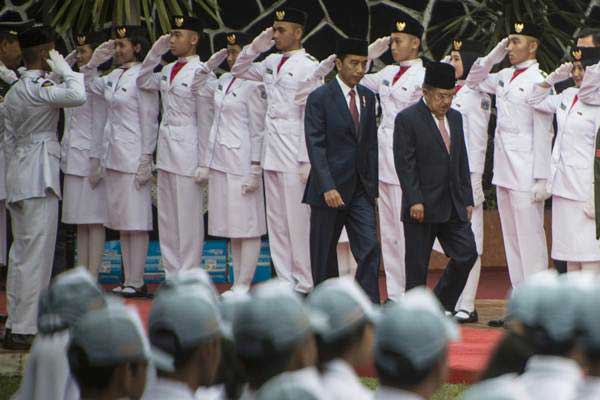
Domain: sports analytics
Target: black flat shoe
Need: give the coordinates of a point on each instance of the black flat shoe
(496, 323)
(466, 317)
(14, 341)
(131, 291)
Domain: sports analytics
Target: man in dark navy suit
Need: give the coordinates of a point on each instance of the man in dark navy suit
(431, 163)
(341, 137)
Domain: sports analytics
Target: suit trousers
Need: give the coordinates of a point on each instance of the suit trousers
(325, 228)
(523, 231)
(34, 225)
(458, 242)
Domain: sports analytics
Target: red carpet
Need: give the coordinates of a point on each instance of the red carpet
(467, 357)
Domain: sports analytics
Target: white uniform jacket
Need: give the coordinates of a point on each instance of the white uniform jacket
(285, 143)
(32, 109)
(523, 139)
(131, 119)
(393, 99)
(167, 389)
(182, 138)
(389, 393)
(341, 382)
(84, 132)
(550, 377)
(572, 169)
(475, 109)
(236, 137)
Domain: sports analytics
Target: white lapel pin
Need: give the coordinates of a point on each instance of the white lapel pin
(364, 101)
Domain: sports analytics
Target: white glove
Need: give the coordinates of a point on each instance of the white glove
(446, 60)
(539, 191)
(8, 75)
(590, 208)
(304, 171)
(102, 54)
(378, 47)
(560, 74)
(58, 65)
(71, 58)
(201, 175)
(324, 67)
(497, 54)
(161, 46)
(216, 59)
(263, 42)
(251, 182)
(477, 186)
(96, 172)
(144, 171)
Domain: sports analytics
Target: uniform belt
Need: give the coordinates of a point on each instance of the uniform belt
(35, 137)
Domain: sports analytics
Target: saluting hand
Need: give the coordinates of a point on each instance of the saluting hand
(264, 41)
(378, 47)
(333, 199)
(161, 46)
(417, 212)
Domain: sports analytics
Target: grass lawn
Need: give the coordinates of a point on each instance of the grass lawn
(9, 385)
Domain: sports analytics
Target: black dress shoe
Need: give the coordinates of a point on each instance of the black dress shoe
(466, 317)
(496, 323)
(131, 291)
(15, 341)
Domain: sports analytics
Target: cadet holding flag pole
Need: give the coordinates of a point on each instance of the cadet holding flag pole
(32, 112)
(285, 159)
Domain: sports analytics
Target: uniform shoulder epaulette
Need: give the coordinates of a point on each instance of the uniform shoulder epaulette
(544, 73)
(311, 58)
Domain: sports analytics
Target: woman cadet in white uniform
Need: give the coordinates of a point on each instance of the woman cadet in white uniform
(475, 109)
(130, 139)
(236, 204)
(84, 196)
(572, 174)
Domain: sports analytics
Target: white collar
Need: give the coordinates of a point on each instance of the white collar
(34, 72)
(341, 367)
(387, 392)
(187, 59)
(182, 390)
(292, 52)
(409, 63)
(345, 88)
(566, 367)
(525, 64)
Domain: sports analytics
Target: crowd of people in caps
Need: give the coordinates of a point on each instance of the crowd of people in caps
(338, 190)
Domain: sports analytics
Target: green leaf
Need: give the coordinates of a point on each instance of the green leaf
(163, 16)
(127, 7)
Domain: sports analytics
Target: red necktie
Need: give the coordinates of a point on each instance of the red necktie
(283, 60)
(444, 132)
(229, 86)
(400, 72)
(354, 109)
(458, 87)
(574, 101)
(517, 72)
(176, 68)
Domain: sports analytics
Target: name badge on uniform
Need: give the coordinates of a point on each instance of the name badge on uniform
(485, 105)
(385, 82)
(501, 83)
(163, 78)
(109, 84)
(563, 107)
(220, 87)
(184, 84)
(233, 94)
(263, 94)
(269, 71)
(521, 89)
(579, 113)
(123, 89)
(405, 89)
(290, 74)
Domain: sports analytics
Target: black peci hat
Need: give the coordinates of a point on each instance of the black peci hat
(357, 47)
(469, 51)
(188, 23)
(586, 55)
(440, 75)
(127, 31)
(36, 36)
(408, 25)
(526, 28)
(237, 38)
(291, 15)
(91, 38)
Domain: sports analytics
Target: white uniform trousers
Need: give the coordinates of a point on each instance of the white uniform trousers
(180, 222)
(523, 232)
(392, 239)
(288, 227)
(3, 233)
(34, 224)
(346, 262)
(47, 374)
(466, 301)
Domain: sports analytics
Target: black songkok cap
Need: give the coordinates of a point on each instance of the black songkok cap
(440, 75)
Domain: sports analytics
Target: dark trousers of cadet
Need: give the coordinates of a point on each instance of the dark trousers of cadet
(458, 242)
(325, 229)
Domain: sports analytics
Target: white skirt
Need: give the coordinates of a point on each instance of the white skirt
(232, 214)
(83, 204)
(129, 209)
(573, 233)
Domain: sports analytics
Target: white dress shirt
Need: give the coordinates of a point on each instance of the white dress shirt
(346, 90)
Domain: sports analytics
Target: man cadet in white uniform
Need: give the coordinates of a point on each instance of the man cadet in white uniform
(32, 149)
(398, 86)
(522, 149)
(181, 144)
(285, 160)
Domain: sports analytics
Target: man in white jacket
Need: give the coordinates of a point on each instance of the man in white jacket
(32, 110)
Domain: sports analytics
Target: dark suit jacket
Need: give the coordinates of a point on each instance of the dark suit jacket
(427, 173)
(340, 157)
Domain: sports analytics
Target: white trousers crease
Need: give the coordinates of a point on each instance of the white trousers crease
(392, 239)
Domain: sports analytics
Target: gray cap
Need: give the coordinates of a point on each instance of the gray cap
(70, 295)
(523, 301)
(285, 390)
(230, 301)
(416, 328)
(275, 318)
(589, 317)
(190, 315)
(111, 335)
(505, 387)
(197, 277)
(345, 304)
